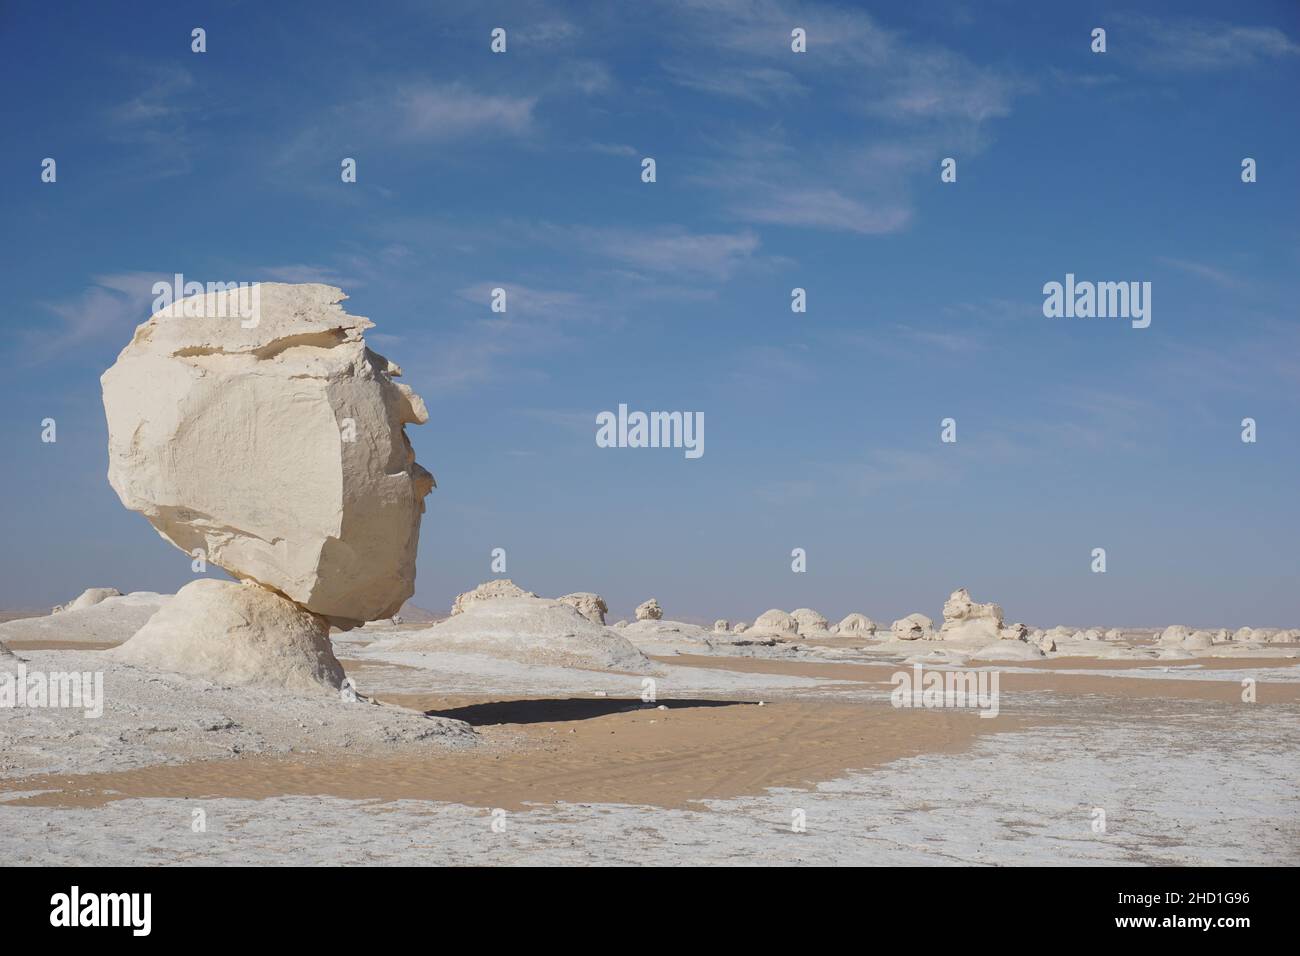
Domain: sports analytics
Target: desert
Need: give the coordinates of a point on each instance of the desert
(514, 721)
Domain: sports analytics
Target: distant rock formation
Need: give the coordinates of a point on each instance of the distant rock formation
(591, 606)
(914, 627)
(88, 598)
(488, 591)
(856, 624)
(649, 611)
(809, 623)
(776, 621)
(966, 621)
(721, 626)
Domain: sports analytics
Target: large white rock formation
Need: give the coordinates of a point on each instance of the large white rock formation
(272, 439)
(968, 621)
(233, 633)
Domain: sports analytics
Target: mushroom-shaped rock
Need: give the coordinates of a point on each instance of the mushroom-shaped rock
(255, 427)
(914, 627)
(810, 623)
(233, 633)
(858, 624)
(591, 606)
(721, 626)
(488, 591)
(1114, 634)
(1173, 636)
(776, 621)
(649, 611)
(1199, 640)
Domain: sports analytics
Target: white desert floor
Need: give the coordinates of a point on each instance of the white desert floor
(568, 766)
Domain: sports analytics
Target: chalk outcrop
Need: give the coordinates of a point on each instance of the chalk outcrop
(259, 431)
(914, 627)
(721, 626)
(809, 623)
(109, 621)
(87, 598)
(856, 624)
(649, 611)
(591, 606)
(237, 633)
(776, 621)
(967, 621)
(526, 630)
(488, 591)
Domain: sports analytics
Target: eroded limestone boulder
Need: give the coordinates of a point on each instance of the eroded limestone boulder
(967, 621)
(261, 432)
(649, 611)
(488, 591)
(858, 624)
(591, 606)
(914, 627)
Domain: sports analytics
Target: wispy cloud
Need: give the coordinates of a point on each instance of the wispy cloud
(1217, 276)
(1201, 45)
(427, 112)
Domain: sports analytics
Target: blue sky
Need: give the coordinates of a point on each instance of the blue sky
(774, 170)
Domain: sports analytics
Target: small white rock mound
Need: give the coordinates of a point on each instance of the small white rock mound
(776, 621)
(622, 622)
(526, 630)
(914, 627)
(591, 606)
(721, 626)
(1173, 636)
(740, 628)
(1114, 634)
(488, 591)
(1044, 642)
(87, 598)
(810, 623)
(1009, 651)
(856, 624)
(1199, 640)
(1014, 632)
(649, 611)
(110, 621)
(259, 428)
(237, 633)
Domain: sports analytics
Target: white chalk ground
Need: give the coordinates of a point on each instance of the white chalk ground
(1180, 781)
(1017, 798)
